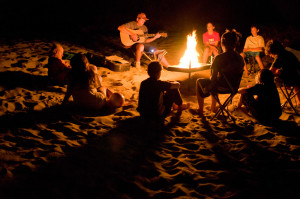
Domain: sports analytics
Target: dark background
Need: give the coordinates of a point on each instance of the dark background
(88, 18)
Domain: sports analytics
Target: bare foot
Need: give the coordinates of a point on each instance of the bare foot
(182, 107)
(200, 111)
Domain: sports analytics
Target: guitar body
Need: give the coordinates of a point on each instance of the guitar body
(127, 40)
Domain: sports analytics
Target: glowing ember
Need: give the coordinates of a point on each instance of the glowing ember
(191, 55)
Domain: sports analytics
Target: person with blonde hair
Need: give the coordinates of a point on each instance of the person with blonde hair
(58, 69)
(86, 89)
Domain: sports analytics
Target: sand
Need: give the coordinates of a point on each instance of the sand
(50, 151)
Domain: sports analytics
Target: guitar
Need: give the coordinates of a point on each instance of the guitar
(127, 40)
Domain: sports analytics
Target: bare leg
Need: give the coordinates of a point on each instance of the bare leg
(240, 102)
(213, 105)
(205, 54)
(139, 50)
(245, 65)
(200, 102)
(164, 62)
(258, 59)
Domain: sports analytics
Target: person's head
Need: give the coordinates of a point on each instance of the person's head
(273, 48)
(116, 100)
(56, 51)
(154, 69)
(254, 30)
(210, 27)
(229, 40)
(141, 19)
(79, 62)
(265, 76)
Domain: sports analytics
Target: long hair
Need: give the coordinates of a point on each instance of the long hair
(81, 74)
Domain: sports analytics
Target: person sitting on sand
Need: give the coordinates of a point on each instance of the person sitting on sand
(266, 105)
(230, 63)
(58, 69)
(131, 29)
(211, 40)
(254, 46)
(157, 97)
(85, 87)
(285, 67)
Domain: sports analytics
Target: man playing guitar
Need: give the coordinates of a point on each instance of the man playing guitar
(131, 29)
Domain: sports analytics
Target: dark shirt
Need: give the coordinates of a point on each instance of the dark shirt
(229, 63)
(290, 67)
(150, 94)
(268, 101)
(57, 70)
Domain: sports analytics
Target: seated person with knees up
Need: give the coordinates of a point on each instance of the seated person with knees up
(285, 67)
(130, 37)
(229, 63)
(254, 45)
(211, 40)
(58, 69)
(157, 97)
(266, 106)
(85, 87)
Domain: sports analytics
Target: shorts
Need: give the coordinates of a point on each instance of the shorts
(250, 54)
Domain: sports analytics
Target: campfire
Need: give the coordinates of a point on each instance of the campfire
(190, 60)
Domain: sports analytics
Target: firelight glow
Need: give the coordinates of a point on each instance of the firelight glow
(191, 55)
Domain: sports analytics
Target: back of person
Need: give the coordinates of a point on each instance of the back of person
(231, 65)
(290, 67)
(151, 97)
(83, 84)
(268, 101)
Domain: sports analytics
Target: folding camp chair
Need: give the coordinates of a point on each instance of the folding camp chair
(156, 55)
(232, 90)
(289, 93)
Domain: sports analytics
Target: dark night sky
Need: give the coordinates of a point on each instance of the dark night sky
(69, 17)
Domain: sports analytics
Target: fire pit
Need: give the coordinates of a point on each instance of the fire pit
(189, 62)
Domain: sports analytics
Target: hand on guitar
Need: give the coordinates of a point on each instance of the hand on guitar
(157, 35)
(134, 37)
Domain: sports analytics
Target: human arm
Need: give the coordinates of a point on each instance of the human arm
(242, 90)
(125, 30)
(67, 96)
(149, 40)
(174, 85)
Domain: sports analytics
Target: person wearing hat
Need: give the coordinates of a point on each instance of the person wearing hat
(130, 29)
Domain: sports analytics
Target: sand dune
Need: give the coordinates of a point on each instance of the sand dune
(50, 151)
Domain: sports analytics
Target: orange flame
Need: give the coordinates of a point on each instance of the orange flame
(191, 55)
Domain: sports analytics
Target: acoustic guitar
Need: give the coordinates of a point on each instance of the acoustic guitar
(127, 40)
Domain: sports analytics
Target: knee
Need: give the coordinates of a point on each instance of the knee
(140, 47)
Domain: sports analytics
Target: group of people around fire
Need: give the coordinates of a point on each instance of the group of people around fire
(158, 98)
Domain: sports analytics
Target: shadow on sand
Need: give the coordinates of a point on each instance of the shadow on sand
(109, 165)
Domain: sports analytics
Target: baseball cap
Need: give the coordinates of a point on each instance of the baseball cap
(143, 16)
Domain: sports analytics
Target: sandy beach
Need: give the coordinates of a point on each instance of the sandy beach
(50, 151)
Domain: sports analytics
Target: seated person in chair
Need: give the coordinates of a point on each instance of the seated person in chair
(131, 30)
(211, 40)
(266, 106)
(254, 45)
(229, 63)
(285, 67)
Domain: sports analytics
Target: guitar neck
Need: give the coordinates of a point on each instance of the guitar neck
(146, 35)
